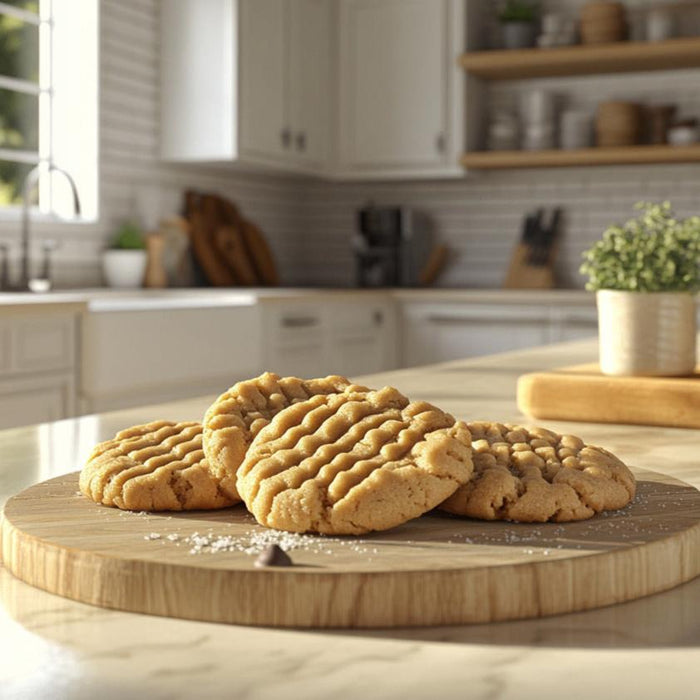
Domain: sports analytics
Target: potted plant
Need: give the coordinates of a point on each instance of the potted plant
(518, 24)
(645, 274)
(124, 262)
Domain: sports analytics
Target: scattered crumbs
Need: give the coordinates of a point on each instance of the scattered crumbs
(254, 542)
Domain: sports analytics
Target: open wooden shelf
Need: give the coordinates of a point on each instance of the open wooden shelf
(621, 57)
(628, 155)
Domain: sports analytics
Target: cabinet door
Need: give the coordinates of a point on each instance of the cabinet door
(393, 77)
(295, 339)
(25, 401)
(264, 56)
(310, 79)
(438, 334)
(363, 336)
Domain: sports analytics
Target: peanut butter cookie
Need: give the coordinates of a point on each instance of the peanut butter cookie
(536, 475)
(157, 466)
(353, 462)
(236, 417)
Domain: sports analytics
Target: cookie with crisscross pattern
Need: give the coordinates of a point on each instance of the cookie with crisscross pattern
(353, 462)
(156, 466)
(236, 417)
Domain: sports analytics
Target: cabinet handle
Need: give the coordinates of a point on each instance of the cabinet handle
(301, 141)
(299, 321)
(378, 318)
(465, 320)
(440, 142)
(285, 137)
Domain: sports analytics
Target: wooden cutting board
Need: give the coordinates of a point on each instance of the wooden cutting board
(582, 393)
(435, 570)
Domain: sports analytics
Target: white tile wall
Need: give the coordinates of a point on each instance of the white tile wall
(309, 223)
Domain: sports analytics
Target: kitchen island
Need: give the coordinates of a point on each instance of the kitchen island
(54, 647)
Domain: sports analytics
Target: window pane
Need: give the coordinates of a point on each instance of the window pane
(19, 120)
(28, 5)
(19, 49)
(11, 178)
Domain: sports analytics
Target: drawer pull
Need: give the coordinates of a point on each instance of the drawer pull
(465, 320)
(299, 322)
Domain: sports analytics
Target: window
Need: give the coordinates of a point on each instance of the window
(48, 100)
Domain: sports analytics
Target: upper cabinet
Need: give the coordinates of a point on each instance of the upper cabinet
(400, 89)
(246, 81)
(338, 88)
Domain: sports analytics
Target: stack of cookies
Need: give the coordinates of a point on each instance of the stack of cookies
(327, 456)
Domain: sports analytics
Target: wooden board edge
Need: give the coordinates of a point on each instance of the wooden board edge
(382, 599)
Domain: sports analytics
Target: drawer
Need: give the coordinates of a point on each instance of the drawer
(37, 344)
(354, 318)
(134, 353)
(297, 325)
(29, 400)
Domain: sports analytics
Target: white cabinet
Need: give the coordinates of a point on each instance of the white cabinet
(246, 81)
(401, 90)
(29, 400)
(342, 88)
(572, 323)
(332, 336)
(263, 55)
(442, 332)
(138, 357)
(311, 79)
(37, 367)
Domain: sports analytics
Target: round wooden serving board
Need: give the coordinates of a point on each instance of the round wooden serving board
(435, 570)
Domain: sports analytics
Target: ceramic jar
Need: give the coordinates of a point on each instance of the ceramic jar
(646, 333)
(518, 35)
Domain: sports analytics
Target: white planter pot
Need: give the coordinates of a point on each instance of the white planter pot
(124, 268)
(646, 333)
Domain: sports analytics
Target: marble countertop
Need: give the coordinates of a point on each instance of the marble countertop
(645, 649)
(102, 299)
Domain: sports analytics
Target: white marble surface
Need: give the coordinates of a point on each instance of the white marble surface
(128, 299)
(642, 650)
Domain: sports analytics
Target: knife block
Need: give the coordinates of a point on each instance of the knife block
(522, 275)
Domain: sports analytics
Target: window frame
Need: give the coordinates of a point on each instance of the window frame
(43, 208)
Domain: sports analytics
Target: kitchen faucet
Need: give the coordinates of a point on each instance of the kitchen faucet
(30, 182)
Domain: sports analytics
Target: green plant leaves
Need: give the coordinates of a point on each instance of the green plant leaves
(655, 252)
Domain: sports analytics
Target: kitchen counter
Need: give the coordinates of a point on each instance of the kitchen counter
(102, 299)
(645, 649)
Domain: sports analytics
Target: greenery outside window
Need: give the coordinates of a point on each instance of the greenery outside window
(48, 100)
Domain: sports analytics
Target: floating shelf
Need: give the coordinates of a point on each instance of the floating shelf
(628, 155)
(621, 57)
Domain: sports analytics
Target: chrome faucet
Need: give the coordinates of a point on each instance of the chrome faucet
(29, 184)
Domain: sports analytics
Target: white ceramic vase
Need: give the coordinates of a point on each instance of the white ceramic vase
(124, 268)
(646, 333)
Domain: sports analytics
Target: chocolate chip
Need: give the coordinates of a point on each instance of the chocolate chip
(273, 555)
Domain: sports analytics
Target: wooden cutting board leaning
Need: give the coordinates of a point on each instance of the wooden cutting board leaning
(582, 393)
(434, 570)
(229, 249)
